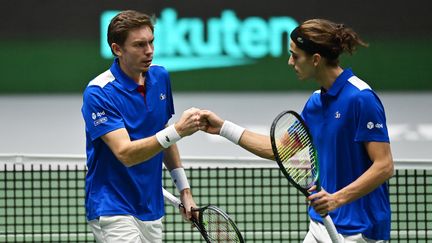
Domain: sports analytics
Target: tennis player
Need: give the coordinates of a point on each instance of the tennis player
(126, 111)
(348, 125)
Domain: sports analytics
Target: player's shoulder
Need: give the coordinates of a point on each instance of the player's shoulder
(158, 69)
(315, 94)
(102, 79)
(98, 84)
(362, 93)
(314, 99)
(358, 83)
(359, 89)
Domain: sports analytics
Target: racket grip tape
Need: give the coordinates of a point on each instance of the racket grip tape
(171, 198)
(331, 229)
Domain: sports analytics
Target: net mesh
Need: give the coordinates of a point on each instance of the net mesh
(43, 202)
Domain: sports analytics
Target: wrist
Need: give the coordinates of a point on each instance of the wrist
(339, 199)
(168, 136)
(178, 130)
(186, 192)
(231, 131)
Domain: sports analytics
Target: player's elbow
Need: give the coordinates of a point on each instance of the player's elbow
(124, 157)
(270, 156)
(391, 170)
(388, 170)
(125, 160)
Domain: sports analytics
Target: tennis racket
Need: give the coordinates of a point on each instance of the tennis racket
(213, 223)
(297, 157)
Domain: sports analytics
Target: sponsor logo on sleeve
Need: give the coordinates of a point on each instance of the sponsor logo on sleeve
(370, 125)
(99, 118)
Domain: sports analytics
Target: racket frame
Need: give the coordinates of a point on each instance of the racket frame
(199, 224)
(327, 221)
(279, 160)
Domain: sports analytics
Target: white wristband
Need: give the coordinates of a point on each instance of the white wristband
(167, 136)
(231, 131)
(179, 178)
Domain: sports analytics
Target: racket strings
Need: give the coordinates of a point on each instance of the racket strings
(218, 228)
(302, 171)
(295, 150)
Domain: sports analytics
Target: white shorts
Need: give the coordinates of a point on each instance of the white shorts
(126, 229)
(318, 234)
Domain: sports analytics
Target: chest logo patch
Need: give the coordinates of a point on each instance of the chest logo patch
(337, 115)
(162, 96)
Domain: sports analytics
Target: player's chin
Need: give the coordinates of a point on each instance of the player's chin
(300, 77)
(145, 66)
(145, 69)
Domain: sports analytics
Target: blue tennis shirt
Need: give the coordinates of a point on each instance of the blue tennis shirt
(111, 101)
(340, 121)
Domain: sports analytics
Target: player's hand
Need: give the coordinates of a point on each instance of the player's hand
(322, 201)
(188, 203)
(188, 123)
(210, 122)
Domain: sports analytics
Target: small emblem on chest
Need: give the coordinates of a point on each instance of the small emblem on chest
(162, 96)
(337, 115)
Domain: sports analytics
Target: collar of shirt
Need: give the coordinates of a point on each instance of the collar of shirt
(338, 83)
(123, 79)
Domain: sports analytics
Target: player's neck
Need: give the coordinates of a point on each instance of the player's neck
(138, 77)
(327, 76)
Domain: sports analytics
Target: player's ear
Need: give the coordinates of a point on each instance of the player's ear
(116, 49)
(316, 58)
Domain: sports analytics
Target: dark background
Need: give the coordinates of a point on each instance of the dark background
(49, 46)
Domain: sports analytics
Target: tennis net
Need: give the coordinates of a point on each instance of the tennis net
(42, 199)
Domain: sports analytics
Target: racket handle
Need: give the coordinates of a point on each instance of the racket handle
(331, 229)
(171, 198)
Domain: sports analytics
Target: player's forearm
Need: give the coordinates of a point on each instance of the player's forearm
(172, 157)
(138, 151)
(377, 174)
(141, 150)
(257, 144)
(253, 142)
